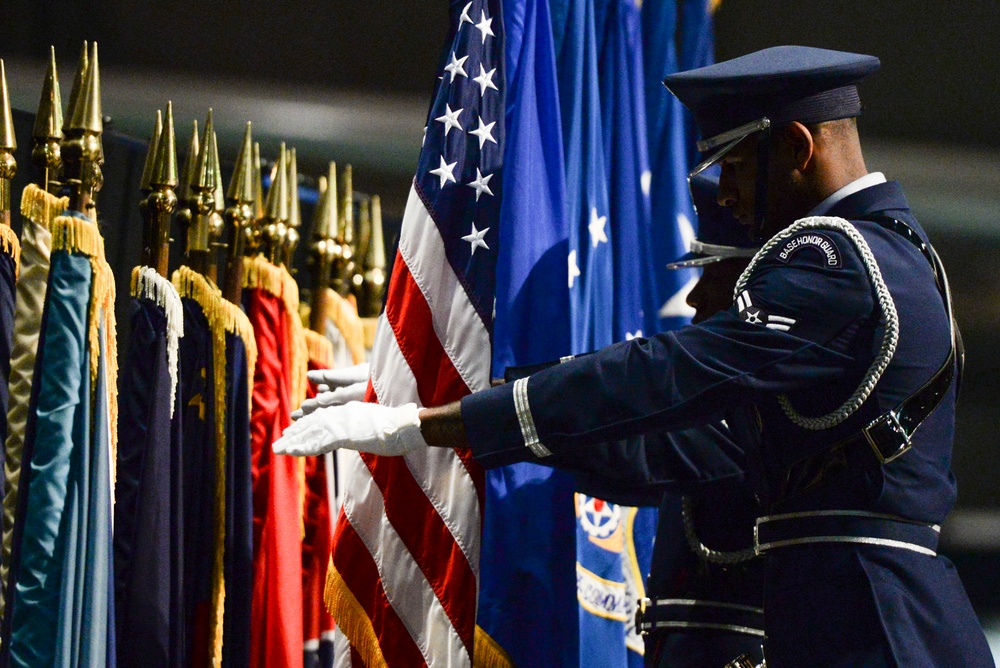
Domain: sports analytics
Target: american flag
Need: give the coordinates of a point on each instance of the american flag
(405, 568)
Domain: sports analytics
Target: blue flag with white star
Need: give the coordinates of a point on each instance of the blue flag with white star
(527, 582)
(591, 255)
(671, 143)
(623, 108)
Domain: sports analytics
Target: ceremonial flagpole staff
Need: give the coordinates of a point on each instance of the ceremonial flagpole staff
(839, 356)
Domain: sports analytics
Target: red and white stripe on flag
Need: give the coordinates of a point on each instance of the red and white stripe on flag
(404, 578)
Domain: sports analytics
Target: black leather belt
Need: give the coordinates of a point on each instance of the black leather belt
(685, 613)
(844, 526)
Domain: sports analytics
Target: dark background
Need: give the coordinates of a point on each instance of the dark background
(351, 80)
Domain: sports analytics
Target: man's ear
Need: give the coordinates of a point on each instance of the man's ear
(798, 146)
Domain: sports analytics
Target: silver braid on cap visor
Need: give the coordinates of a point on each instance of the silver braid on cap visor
(889, 319)
(527, 422)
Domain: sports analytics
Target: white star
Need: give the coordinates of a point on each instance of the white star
(574, 270)
(753, 317)
(455, 66)
(677, 306)
(485, 80)
(484, 132)
(481, 184)
(596, 227)
(476, 239)
(445, 172)
(450, 119)
(424, 138)
(465, 15)
(637, 335)
(646, 181)
(484, 26)
(686, 230)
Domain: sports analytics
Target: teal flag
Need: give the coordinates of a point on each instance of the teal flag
(61, 606)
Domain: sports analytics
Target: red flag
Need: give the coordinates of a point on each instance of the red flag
(271, 303)
(318, 539)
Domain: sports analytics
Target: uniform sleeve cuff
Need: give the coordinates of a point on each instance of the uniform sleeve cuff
(495, 423)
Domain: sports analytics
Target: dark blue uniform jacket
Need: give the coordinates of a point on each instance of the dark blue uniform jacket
(813, 331)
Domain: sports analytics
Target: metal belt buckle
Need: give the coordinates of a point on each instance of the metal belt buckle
(887, 433)
(640, 613)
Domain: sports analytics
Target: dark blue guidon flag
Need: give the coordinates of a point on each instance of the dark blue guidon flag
(60, 602)
(148, 542)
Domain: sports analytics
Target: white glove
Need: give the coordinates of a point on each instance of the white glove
(337, 397)
(365, 427)
(334, 378)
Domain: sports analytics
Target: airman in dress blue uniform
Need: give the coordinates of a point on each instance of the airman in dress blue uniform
(835, 368)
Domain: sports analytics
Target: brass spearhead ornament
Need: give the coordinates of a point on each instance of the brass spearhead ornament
(238, 218)
(162, 200)
(47, 133)
(8, 144)
(81, 148)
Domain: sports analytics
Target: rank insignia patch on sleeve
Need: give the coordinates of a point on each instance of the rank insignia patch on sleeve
(755, 315)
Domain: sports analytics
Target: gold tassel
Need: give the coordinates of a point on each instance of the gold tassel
(351, 619)
(488, 653)
(344, 315)
(10, 245)
(41, 206)
(259, 273)
(221, 318)
(320, 349)
(82, 236)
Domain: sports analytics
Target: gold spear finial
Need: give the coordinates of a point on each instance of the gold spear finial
(258, 186)
(8, 144)
(323, 249)
(219, 198)
(78, 81)
(238, 217)
(162, 200)
(364, 230)
(292, 235)
(47, 133)
(274, 229)
(86, 115)
(203, 204)
(154, 141)
(374, 285)
(187, 177)
(344, 264)
(82, 151)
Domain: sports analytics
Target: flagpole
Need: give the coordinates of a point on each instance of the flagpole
(199, 251)
(161, 200)
(343, 264)
(8, 144)
(81, 148)
(238, 218)
(324, 248)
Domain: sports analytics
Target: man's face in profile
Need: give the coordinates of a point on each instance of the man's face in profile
(714, 290)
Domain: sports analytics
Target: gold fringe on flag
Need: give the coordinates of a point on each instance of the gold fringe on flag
(82, 237)
(11, 245)
(41, 206)
(320, 349)
(197, 287)
(344, 315)
(259, 273)
(351, 619)
(488, 653)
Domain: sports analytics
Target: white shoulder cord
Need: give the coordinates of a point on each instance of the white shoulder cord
(890, 319)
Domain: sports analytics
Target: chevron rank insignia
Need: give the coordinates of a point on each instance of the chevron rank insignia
(755, 315)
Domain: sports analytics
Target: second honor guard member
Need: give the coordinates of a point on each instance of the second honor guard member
(839, 354)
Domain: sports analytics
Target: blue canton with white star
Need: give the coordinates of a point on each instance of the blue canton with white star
(459, 173)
